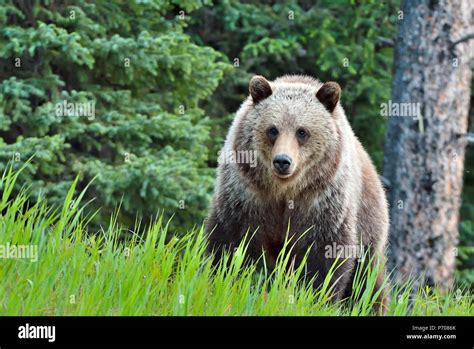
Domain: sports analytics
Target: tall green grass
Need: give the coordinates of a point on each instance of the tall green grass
(82, 273)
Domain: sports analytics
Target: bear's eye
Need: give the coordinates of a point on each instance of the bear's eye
(272, 133)
(302, 134)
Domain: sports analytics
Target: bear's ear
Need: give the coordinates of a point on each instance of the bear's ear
(259, 88)
(329, 94)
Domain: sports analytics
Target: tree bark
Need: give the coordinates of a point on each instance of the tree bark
(424, 155)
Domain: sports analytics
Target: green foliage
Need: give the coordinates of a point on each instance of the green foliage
(147, 141)
(107, 275)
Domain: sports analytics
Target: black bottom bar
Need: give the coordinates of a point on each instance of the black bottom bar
(416, 332)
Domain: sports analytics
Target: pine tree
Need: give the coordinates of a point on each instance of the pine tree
(109, 89)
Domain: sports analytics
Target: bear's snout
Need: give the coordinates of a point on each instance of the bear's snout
(282, 164)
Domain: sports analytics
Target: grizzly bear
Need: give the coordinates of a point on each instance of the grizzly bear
(311, 175)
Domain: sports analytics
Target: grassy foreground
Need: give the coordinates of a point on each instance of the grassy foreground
(76, 273)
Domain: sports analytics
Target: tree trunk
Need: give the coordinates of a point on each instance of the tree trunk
(424, 155)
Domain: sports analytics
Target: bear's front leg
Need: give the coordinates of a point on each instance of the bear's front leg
(319, 265)
(320, 259)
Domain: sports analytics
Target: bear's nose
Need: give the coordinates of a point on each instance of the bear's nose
(281, 163)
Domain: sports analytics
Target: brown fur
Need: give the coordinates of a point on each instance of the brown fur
(333, 189)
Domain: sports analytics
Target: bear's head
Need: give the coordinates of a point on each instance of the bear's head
(293, 124)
